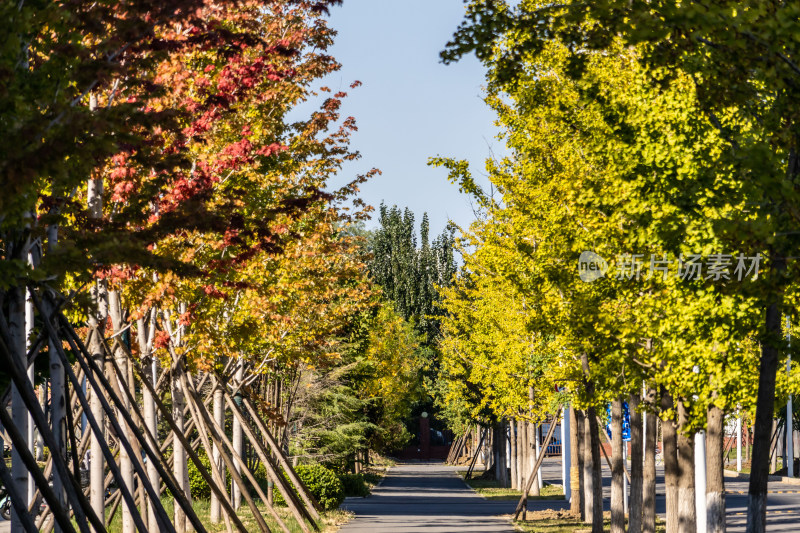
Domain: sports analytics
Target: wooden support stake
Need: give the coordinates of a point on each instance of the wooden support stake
(311, 502)
(84, 444)
(80, 505)
(95, 377)
(158, 461)
(16, 500)
(288, 494)
(222, 495)
(205, 419)
(475, 456)
(524, 499)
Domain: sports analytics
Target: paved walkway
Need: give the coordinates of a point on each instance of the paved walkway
(426, 497)
(783, 499)
(432, 498)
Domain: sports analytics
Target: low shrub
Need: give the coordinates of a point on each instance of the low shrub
(198, 486)
(322, 483)
(262, 478)
(354, 485)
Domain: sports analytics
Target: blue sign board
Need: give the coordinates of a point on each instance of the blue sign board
(626, 422)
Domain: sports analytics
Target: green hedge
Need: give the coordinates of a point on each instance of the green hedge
(322, 483)
(354, 485)
(198, 486)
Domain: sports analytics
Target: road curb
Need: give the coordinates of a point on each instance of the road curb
(776, 479)
(472, 489)
(385, 474)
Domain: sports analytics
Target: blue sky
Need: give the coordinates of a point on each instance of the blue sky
(411, 106)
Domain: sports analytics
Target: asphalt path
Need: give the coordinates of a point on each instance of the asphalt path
(425, 497)
(432, 497)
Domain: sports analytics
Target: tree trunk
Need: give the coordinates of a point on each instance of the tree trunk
(19, 413)
(565, 452)
(512, 445)
(617, 472)
(522, 456)
(671, 470)
(39, 441)
(524, 451)
(487, 449)
(179, 466)
(596, 470)
(534, 456)
(538, 433)
(151, 421)
(635, 501)
(58, 417)
(649, 474)
(238, 441)
(593, 482)
(97, 321)
(499, 441)
(715, 479)
(219, 417)
(126, 467)
(576, 463)
(145, 332)
(503, 442)
(496, 452)
(58, 400)
(31, 429)
(687, 510)
(765, 407)
(588, 479)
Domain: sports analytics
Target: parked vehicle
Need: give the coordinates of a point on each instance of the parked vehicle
(5, 504)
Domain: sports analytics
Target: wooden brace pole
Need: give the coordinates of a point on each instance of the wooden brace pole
(528, 484)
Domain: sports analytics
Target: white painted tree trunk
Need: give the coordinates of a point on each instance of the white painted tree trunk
(31, 429)
(39, 441)
(533, 456)
(566, 458)
(521, 441)
(179, 466)
(219, 417)
(700, 481)
(97, 462)
(151, 420)
(58, 399)
(97, 319)
(739, 443)
(512, 453)
(238, 442)
(520, 456)
(19, 414)
(145, 331)
(126, 466)
(539, 479)
(789, 411)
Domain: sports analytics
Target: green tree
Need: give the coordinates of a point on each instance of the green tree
(640, 170)
(742, 57)
(410, 274)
